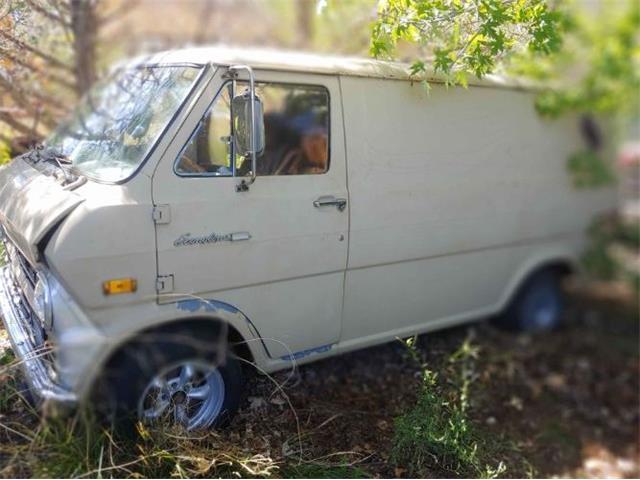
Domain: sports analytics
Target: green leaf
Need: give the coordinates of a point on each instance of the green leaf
(417, 68)
(589, 170)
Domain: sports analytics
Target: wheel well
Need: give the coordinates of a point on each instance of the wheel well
(195, 327)
(563, 268)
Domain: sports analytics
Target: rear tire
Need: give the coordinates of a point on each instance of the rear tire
(176, 377)
(538, 305)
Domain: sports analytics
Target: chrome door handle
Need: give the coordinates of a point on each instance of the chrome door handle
(329, 201)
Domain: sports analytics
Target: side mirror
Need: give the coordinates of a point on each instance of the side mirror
(243, 126)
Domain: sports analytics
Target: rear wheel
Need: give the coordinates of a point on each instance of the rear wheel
(538, 305)
(193, 384)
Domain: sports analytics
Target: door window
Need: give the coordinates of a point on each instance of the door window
(296, 122)
(208, 151)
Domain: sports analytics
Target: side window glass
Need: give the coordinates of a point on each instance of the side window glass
(208, 151)
(296, 123)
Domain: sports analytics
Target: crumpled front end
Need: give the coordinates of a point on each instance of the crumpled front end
(31, 204)
(26, 333)
(54, 365)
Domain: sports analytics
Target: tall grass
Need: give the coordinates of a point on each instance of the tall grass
(437, 434)
(80, 446)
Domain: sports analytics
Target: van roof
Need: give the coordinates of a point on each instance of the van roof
(294, 61)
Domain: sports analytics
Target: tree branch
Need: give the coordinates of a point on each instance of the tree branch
(45, 56)
(52, 76)
(46, 13)
(16, 125)
(50, 101)
(9, 84)
(20, 98)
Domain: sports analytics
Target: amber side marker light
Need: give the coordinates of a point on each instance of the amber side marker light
(119, 285)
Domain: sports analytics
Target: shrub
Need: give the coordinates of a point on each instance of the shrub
(437, 433)
(613, 244)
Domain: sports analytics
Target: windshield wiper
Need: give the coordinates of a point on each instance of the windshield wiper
(42, 153)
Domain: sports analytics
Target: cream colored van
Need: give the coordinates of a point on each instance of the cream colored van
(211, 208)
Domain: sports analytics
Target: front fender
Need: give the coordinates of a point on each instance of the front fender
(122, 325)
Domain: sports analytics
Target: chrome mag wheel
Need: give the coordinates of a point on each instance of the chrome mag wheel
(190, 394)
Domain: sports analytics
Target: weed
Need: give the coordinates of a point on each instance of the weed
(67, 448)
(9, 394)
(436, 432)
(7, 357)
(80, 446)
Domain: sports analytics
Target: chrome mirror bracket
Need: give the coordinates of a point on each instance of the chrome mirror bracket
(243, 186)
(232, 72)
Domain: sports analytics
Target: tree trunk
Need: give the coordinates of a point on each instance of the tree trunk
(305, 12)
(84, 26)
(203, 29)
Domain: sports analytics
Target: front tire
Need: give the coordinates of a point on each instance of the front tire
(174, 379)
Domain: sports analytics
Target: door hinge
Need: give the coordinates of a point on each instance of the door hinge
(161, 214)
(164, 284)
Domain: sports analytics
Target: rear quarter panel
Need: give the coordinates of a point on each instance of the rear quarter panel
(452, 193)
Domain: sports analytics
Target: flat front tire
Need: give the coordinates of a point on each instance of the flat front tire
(171, 381)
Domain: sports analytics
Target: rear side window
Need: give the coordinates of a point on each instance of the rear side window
(296, 119)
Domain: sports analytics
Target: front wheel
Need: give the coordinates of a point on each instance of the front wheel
(190, 393)
(169, 383)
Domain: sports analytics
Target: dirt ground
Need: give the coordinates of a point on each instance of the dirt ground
(564, 404)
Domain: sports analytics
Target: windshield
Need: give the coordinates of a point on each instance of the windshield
(120, 119)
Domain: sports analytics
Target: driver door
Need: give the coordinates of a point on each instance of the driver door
(278, 251)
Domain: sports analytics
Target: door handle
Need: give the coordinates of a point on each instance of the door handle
(329, 201)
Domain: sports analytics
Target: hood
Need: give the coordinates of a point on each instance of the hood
(31, 204)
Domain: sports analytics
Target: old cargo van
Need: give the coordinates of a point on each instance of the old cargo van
(207, 208)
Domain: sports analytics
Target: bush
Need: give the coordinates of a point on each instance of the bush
(437, 433)
(609, 236)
